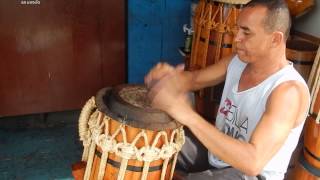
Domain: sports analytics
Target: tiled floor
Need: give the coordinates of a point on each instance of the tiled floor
(39, 147)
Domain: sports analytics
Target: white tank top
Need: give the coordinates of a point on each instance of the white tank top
(240, 112)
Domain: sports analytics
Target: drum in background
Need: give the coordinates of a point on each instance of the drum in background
(308, 167)
(124, 138)
(302, 54)
(300, 7)
(311, 150)
(300, 173)
(314, 85)
(214, 31)
(221, 39)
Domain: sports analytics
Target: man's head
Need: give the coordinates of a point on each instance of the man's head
(263, 29)
(277, 16)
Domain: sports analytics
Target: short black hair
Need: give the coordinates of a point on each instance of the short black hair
(278, 15)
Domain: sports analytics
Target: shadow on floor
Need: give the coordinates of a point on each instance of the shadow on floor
(41, 146)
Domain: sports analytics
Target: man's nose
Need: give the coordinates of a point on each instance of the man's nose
(238, 37)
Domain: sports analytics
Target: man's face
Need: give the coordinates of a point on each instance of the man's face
(252, 41)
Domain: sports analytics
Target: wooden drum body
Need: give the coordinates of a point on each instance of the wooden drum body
(312, 143)
(126, 139)
(300, 7)
(302, 54)
(309, 162)
(215, 26)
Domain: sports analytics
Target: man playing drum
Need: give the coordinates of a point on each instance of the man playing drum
(263, 107)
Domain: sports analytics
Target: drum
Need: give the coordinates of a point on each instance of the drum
(308, 167)
(221, 41)
(312, 143)
(215, 28)
(299, 172)
(300, 7)
(314, 85)
(302, 54)
(124, 138)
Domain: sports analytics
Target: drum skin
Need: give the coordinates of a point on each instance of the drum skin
(109, 102)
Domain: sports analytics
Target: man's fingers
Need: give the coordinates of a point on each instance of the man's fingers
(153, 91)
(158, 72)
(180, 67)
(157, 85)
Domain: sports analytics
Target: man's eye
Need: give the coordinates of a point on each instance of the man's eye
(246, 33)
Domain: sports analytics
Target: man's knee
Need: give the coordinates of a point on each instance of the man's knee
(193, 156)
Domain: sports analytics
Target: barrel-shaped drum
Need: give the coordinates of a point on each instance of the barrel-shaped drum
(221, 39)
(215, 28)
(302, 54)
(124, 138)
(308, 167)
(300, 7)
(312, 142)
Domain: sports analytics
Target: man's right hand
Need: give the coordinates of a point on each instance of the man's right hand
(159, 71)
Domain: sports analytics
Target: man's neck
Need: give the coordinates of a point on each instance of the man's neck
(268, 65)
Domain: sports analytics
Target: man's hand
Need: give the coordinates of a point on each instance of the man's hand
(159, 71)
(169, 94)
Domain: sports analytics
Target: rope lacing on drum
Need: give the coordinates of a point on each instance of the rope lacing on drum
(107, 143)
(84, 132)
(314, 86)
(128, 151)
(210, 17)
(95, 128)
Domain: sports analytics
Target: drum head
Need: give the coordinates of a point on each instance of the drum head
(129, 105)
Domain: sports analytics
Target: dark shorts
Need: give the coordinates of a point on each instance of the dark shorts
(193, 160)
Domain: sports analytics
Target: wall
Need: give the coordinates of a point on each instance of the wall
(310, 22)
(154, 34)
(54, 55)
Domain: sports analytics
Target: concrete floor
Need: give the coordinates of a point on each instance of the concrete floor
(39, 147)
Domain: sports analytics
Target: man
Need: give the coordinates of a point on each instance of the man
(264, 103)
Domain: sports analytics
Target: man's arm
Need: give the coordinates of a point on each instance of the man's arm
(211, 75)
(190, 80)
(285, 109)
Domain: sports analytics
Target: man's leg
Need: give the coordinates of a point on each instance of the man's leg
(220, 174)
(193, 161)
(193, 156)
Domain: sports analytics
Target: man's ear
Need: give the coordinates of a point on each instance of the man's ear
(277, 38)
